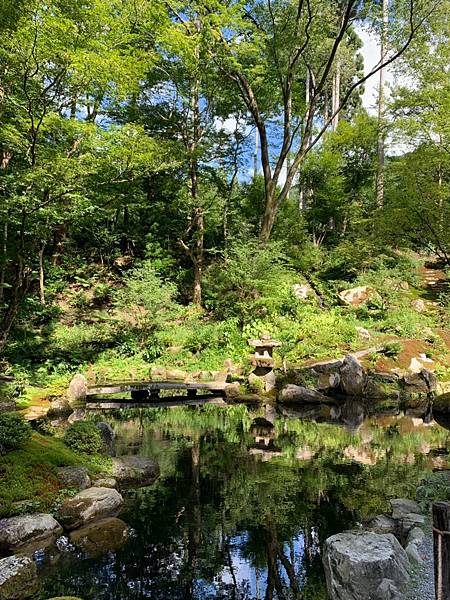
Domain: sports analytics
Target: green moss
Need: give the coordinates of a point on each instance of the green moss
(29, 474)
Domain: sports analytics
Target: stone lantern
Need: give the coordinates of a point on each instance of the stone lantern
(263, 361)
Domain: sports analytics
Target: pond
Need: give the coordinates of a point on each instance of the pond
(246, 499)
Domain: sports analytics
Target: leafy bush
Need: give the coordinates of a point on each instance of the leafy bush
(251, 282)
(14, 432)
(83, 436)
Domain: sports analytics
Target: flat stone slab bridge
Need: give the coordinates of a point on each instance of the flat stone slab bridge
(147, 393)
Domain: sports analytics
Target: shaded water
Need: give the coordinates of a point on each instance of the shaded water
(246, 499)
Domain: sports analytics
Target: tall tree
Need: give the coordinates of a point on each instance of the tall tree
(267, 49)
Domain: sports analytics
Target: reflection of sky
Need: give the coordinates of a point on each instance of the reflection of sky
(246, 572)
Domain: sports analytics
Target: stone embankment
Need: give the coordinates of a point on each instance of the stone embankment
(376, 562)
(90, 519)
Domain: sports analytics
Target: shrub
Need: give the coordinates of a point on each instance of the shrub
(14, 432)
(83, 436)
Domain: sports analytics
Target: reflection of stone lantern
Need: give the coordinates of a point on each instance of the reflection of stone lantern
(263, 361)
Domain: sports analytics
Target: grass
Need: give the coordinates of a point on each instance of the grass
(29, 474)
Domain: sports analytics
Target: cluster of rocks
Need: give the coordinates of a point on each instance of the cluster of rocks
(348, 377)
(89, 519)
(375, 563)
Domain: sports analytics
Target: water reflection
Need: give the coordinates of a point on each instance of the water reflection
(246, 499)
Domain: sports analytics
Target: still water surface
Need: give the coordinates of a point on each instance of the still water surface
(246, 499)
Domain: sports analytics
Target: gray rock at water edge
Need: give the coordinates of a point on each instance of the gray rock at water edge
(387, 590)
(18, 578)
(413, 554)
(106, 535)
(135, 471)
(78, 388)
(357, 562)
(353, 377)
(74, 477)
(108, 438)
(401, 507)
(19, 531)
(300, 394)
(90, 505)
(420, 383)
(328, 381)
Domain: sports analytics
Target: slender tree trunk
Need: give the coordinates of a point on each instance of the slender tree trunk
(336, 100)
(4, 256)
(379, 186)
(41, 274)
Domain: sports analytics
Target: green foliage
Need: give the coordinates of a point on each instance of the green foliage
(14, 432)
(83, 436)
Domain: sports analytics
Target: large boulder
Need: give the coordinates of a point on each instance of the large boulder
(293, 394)
(353, 377)
(90, 505)
(106, 535)
(74, 477)
(357, 296)
(134, 471)
(23, 530)
(18, 578)
(357, 562)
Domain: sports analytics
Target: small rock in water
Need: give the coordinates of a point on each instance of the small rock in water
(106, 535)
(135, 471)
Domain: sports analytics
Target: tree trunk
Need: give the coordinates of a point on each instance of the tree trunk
(4, 255)
(379, 187)
(41, 274)
(336, 99)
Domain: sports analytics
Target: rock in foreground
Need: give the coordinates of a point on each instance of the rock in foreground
(18, 578)
(135, 471)
(357, 562)
(19, 531)
(90, 505)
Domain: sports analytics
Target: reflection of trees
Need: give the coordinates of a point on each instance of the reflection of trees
(216, 507)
